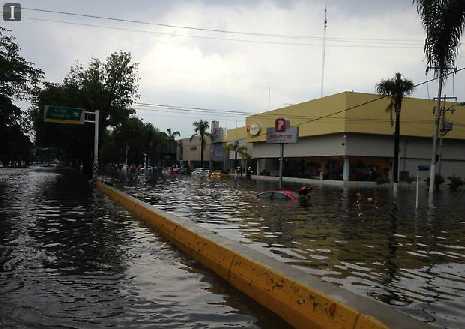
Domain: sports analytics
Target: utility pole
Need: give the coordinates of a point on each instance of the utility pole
(323, 54)
(437, 117)
(281, 166)
(444, 128)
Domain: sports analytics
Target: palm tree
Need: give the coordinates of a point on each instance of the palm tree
(237, 149)
(244, 153)
(172, 134)
(396, 88)
(200, 129)
(444, 22)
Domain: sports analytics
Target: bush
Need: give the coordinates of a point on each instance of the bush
(381, 180)
(437, 181)
(455, 183)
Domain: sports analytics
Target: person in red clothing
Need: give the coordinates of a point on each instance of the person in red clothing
(304, 195)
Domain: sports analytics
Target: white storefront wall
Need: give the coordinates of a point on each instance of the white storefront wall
(413, 150)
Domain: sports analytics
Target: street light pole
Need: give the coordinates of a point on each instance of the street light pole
(96, 138)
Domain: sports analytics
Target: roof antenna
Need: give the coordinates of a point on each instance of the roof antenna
(323, 55)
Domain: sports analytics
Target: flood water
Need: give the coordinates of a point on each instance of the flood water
(355, 238)
(69, 258)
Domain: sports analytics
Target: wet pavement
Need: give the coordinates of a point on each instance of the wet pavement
(356, 238)
(70, 258)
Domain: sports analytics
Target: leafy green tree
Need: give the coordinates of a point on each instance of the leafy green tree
(237, 149)
(134, 139)
(18, 81)
(444, 22)
(109, 86)
(201, 129)
(396, 88)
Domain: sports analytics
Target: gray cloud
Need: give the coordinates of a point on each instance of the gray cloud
(187, 68)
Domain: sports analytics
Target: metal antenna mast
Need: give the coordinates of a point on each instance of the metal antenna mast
(323, 55)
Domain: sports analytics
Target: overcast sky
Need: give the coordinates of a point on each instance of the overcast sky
(366, 41)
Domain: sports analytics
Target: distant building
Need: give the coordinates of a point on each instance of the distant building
(213, 155)
(340, 140)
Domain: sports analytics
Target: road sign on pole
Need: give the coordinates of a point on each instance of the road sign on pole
(63, 114)
(282, 134)
(289, 136)
(75, 116)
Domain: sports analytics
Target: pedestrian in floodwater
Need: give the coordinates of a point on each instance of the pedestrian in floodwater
(304, 195)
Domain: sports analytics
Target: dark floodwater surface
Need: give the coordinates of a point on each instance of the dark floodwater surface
(354, 238)
(69, 258)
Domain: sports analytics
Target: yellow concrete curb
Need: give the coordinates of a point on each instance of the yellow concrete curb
(302, 300)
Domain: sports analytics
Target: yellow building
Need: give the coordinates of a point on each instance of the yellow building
(348, 136)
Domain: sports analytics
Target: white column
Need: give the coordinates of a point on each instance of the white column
(346, 170)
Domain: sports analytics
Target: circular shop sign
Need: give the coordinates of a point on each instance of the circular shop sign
(254, 129)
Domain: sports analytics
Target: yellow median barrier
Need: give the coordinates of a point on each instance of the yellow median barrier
(304, 301)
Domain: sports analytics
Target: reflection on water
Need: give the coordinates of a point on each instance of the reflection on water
(69, 258)
(357, 239)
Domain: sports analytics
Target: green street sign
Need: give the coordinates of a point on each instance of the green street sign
(63, 114)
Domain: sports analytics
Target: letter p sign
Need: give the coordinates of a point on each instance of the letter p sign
(280, 125)
(12, 11)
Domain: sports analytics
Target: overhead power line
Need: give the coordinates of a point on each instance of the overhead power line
(333, 44)
(169, 109)
(350, 108)
(214, 30)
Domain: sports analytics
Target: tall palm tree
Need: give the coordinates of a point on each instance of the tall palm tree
(172, 134)
(444, 22)
(200, 129)
(396, 88)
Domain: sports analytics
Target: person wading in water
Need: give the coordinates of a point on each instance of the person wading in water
(304, 195)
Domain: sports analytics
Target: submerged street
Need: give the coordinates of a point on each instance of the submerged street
(254, 164)
(355, 238)
(69, 258)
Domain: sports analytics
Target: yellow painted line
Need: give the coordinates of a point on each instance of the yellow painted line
(302, 300)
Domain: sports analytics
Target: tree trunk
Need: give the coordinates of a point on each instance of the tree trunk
(434, 157)
(395, 169)
(201, 151)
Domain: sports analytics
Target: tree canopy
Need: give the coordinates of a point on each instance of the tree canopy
(444, 22)
(19, 80)
(109, 86)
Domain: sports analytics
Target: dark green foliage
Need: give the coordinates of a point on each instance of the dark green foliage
(18, 81)
(443, 21)
(438, 180)
(134, 138)
(455, 183)
(109, 86)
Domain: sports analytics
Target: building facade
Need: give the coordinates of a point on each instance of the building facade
(349, 136)
(188, 151)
